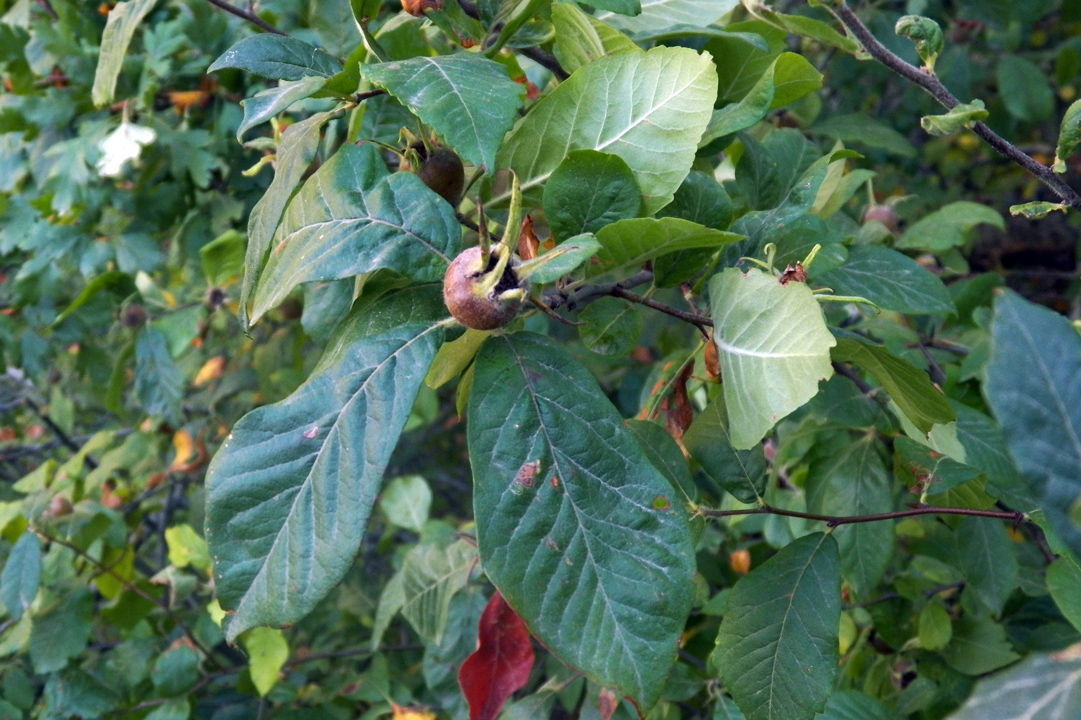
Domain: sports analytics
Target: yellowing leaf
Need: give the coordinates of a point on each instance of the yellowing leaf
(211, 370)
(267, 653)
(411, 713)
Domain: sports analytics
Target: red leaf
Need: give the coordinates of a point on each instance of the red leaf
(501, 663)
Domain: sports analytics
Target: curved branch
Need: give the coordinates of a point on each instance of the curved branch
(247, 15)
(934, 87)
(836, 520)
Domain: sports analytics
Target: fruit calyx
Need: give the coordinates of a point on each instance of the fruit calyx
(484, 293)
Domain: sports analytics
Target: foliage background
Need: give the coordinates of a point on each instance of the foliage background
(127, 366)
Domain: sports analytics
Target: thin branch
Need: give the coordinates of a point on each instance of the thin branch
(534, 53)
(62, 436)
(846, 371)
(585, 294)
(836, 520)
(928, 593)
(939, 92)
(247, 15)
(138, 591)
(692, 318)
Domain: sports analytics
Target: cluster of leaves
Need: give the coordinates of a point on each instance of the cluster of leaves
(771, 441)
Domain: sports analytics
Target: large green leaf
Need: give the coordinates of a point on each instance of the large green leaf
(576, 528)
(290, 491)
(587, 191)
(629, 243)
(890, 280)
(581, 38)
(649, 108)
(468, 99)
(351, 218)
(266, 104)
(985, 554)
(1033, 385)
(1024, 88)
(777, 646)
(978, 646)
(1040, 687)
(430, 577)
(611, 326)
(277, 57)
(740, 472)
(860, 130)
(296, 150)
(946, 227)
(659, 14)
(61, 630)
(1064, 584)
(789, 77)
(774, 349)
(985, 450)
(21, 575)
(123, 20)
(853, 480)
(740, 63)
(909, 386)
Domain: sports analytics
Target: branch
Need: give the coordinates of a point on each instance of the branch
(939, 92)
(138, 591)
(692, 318)
(585, 294)
(59, 433)
(836, 520)
(534, 53)
(247, 15)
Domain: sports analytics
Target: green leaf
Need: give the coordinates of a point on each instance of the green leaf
(1033, 385)
(267, 652)
(351, 218)
(406, 501)
(469, 100)
(660, 14)
(947, 226)
(61, 631)
(453, 357)
(740, 472)
(1064, 584)
(664, 454)
(978, 646)
(176, 671)
(611, 326)
(985, 449)
(1069, 136)
(557, 262)
(223, 258)
(700, 199)
(289, 493)
(159, 386)
(1023, 89)
(123, 19)
(568, 532)
(860, 130)
(76, 693)
(623, 7)
(809, 28)
(1047, 682)
(774, 349)
(266, 104)
(853, 480)
(431, 575)
(852, 705)
(649, 108)
(986, 556)
(781, 624)
(21, 575)
(172, 709)
(909, 386)
(629, 243)
(935, 630)
(891, 280)
(187, 547)
(277, 57)
(927, 36)
(788, 78)
(581, 39)
(960, 116)
(935, 469)
(118, 283)
(296, 150)
(1037, 210)
(587, 191)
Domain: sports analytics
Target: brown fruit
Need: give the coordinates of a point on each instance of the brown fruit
(133, 316)
(464, 289)
(416, 8)
(884, 214)
(59, 506)
(443, 172)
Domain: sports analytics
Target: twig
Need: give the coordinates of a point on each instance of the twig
(48, 8)
(534, 53)
(938, 377)
(836, 520)
(552, 313)
(938, 91)
(138, 591)
(585, 294)
(247, 15)
(692, 318)
(62, 436)
(846, 371)
(928, 593)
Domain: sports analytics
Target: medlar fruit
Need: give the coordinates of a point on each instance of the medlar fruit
(416, 8)
(440, 169)
(484, 296)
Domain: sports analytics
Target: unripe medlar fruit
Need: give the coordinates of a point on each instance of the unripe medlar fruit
(133, 316)
(884, 214)
(440, 169)
(484, 296)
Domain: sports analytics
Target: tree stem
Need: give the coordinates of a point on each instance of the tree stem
(836, 520)
(247, 15)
